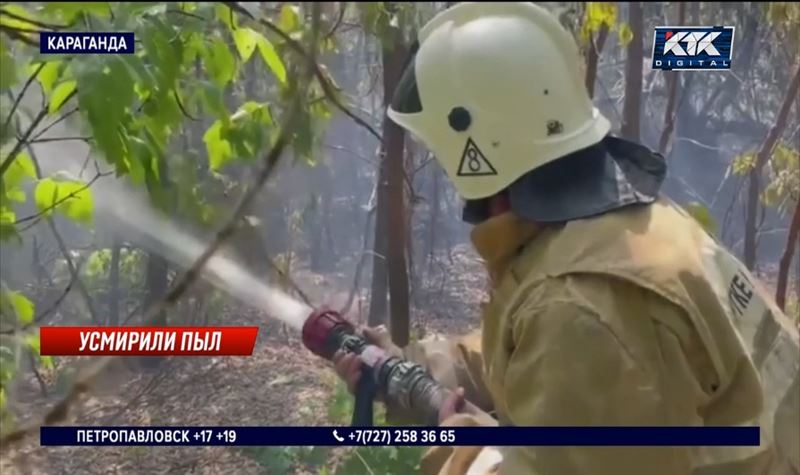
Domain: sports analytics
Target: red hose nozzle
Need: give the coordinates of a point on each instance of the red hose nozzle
(318, 328)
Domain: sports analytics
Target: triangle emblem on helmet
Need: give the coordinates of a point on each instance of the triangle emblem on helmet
(474, 162)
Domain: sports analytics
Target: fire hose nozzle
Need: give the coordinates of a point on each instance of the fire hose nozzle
(401, 382)
(318, 329)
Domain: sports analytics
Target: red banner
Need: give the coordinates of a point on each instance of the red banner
(148, 341)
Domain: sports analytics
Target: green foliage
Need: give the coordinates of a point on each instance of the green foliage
(95, 271)
(16, 311)
(48, 75)
(60, 94)
(132, 105)
(281, 460)
(599, 14)
(8, 73)
(140, 112)
(742, 164)
(385, 460)
(340, 404)
(625, 35)
(34, 344)
(220, 63)
(73, 199)
(243, 135)
(370, 460)
(784, 185)
(784, 17)
(15, 307)
(21, 168)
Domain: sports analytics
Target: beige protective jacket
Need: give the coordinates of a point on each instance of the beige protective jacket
(635, 317)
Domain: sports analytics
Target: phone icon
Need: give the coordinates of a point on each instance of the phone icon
(336, 436)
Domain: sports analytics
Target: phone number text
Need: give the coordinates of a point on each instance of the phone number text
(402, 436)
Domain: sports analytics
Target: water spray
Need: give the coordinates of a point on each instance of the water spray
(401, 383)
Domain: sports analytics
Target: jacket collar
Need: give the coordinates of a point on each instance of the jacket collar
(499, 238)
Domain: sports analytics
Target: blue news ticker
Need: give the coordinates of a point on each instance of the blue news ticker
(355, 436)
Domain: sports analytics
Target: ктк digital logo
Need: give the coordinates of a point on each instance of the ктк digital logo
(696, 48)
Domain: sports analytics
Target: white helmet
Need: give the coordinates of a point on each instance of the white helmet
(494, 91)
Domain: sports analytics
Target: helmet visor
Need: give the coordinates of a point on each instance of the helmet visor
(406, 95)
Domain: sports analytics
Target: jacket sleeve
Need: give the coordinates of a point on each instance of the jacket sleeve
(452, 362)
(589, 353)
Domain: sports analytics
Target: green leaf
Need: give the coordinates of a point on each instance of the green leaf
(226, 16)
(49, 75)
(742, 164)
(220, 63)
(146, 79)
(625, 35)
(8, 70)
(164, 49)
(219, 149)
(15, 22)
(23, 308)
(214, 102)
(138, 159)
(7, 220)
(271, 59)
(60, 95)
(22, 167)
(16, 194)
(47, 361)
(105, 93)
(600, 13)
(70, 10)
(246, 40)
(73, 199)
(290, 18)
(33, 343)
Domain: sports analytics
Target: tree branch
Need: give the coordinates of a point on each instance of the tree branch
(73, 269)
(18, 99)
(52, 308)
(23, 141)
(40, 24)
(61, 139)
(342, 9)
(326, 86)
(52, 124)
(16, 34)
(55, 204)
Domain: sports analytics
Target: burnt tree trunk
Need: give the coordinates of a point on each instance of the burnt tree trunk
(786, 258)
(754, 177)
(113, 285)
(155, 285)
(394, 56)
(156, 282)
(595, 49)
(673, 80)
(631, 113)
(430, 252)
(379, 287)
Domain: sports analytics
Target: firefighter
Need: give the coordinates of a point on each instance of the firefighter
(609, 304)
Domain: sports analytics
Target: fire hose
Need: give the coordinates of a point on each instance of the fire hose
(400, 383)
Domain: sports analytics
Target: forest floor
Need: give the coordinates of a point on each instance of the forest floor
(281, 384)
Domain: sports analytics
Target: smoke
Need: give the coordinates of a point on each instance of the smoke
(116, 200)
